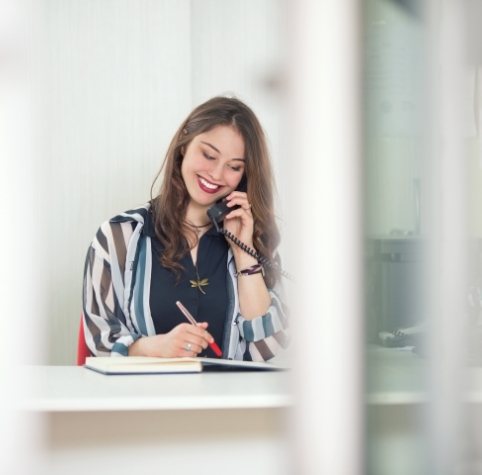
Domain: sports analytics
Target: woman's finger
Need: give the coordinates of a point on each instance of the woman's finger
(199, 342)
(243, 202)
(191, 348)
(242, 213)
(198, 335)
(240, 200)
(237, 194)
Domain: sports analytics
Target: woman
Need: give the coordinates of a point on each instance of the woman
(144, 260)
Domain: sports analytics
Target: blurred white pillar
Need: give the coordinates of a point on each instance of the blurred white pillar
(19, 242)
(447, 234)
(326, 238)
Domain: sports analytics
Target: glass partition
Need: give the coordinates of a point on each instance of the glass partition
(394, 144)
(422, 157)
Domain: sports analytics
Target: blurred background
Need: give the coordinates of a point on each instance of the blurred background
(372, 112)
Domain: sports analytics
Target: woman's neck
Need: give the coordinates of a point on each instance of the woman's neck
(197, 216)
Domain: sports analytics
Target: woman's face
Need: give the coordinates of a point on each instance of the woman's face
(213, 164)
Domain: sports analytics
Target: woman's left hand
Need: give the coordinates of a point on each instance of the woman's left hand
(239, 221)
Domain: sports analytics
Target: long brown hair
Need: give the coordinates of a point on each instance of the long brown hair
(169, 206)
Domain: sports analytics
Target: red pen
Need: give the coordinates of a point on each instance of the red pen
(186, 313)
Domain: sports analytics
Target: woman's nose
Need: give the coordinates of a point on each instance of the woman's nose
(216, 171)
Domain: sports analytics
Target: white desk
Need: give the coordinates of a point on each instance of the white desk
(167, 424)
(209, 423)
(75, 389)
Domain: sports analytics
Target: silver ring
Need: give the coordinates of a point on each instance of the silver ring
(188, 347)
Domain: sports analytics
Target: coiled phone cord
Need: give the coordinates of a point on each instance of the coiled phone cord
(263, 260)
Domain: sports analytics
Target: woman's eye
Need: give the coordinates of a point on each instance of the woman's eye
(236, 168)
(207, 156)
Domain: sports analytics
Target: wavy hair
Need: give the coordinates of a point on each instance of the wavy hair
(169, 206)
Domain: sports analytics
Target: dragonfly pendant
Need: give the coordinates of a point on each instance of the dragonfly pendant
(199, 284)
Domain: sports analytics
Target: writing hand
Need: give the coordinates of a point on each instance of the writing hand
(183, 340)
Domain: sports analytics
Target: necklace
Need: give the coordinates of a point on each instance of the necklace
(198, 283)
(198, 226)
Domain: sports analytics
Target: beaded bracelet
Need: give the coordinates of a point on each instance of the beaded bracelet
(254, 269)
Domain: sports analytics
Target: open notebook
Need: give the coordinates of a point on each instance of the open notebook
(149, 365)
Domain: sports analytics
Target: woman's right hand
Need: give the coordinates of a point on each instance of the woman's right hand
(183, 340)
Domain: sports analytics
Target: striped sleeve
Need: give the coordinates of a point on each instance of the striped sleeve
(107, 331)
(266, 335)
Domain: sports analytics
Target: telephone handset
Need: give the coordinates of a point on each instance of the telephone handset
(220, 209)
(217, 213)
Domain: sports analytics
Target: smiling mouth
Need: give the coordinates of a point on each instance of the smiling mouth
(207, 186)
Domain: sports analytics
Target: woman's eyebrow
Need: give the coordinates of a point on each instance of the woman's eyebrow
(210, 145)
(215, 149)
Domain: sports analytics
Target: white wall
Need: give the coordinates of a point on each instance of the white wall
(239, 47)
(115, 79)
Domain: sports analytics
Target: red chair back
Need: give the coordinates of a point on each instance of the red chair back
(82, 348)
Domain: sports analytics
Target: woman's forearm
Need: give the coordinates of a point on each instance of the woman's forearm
(254, 298)
(137, 348)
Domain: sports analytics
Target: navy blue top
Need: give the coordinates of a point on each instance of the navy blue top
(210, 306)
